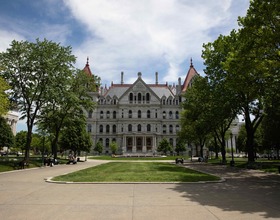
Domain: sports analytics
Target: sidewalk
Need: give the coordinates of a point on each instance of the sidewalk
(245, 195)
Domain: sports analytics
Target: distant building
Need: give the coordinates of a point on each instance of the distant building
(12, 119)
(137, 116)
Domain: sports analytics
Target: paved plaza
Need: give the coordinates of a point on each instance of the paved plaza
(246, 194)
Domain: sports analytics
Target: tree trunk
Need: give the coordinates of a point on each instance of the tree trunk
(28, 143)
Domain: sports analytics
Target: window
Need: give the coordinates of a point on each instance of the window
(130, 97)
(139, 127)
(148, 114)
(90, 114)
(139, 114)
(148, 127)
(130, 114)
(170, 115)
(114, 114)
(100, 128)
(171, 129)
(108, 114)
(164, 115)
(122, 113)
(107, 128)
(89, 128)
(114, 128)
(164, 129)
(156, 114)
(107, 142)
(130, 128)
(171, 142)
(177, 128)
(177, 115)
(101, 115)
(148, 97)
(139, 97)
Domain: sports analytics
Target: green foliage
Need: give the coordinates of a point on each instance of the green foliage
(75, 137)
(6, 134)
(99, 147)
(180, 147)
(164, 146)
(247, 63)
(37, 73)
(4, 107)
(114, 147)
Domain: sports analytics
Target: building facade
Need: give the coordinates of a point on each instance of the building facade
(137, 116)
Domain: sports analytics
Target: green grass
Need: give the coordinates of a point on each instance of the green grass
(102, 157)
(136, 172)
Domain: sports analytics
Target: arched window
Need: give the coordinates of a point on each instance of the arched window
(101, 141)
(139, 113)
(177, 128)
(107, 142)
(170, 129)
(101, 115)
(164, 115)
(130, 128)
(177, 115)
(100, 128)
(139, 127)
(164, 129)
(129, 114)
(148, 114)
(107, 128)
(170, 115)
(148, 97)
(114, 128)
(108, 114)
(139, 97)
(90, 114)
(89, 128)
(148, 127)
(114, 114)
(130, 97)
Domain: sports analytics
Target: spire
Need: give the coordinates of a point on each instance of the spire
(191, 63)
(87, 69)
(190, 75)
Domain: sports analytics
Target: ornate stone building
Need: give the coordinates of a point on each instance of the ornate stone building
(137, 116)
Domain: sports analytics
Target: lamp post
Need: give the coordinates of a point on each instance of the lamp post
(232, 159)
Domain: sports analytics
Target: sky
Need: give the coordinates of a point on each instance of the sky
(127, 36)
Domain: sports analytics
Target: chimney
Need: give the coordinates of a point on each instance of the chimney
(179, 81)
(121, 77)
(156, 78)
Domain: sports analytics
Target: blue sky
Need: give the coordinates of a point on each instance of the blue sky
(145, 36)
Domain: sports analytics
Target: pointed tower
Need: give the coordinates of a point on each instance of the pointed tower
(190, 75)
(87, 69)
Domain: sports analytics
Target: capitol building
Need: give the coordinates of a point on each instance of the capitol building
(137, 116)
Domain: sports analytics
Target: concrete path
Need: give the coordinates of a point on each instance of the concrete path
(245, 195)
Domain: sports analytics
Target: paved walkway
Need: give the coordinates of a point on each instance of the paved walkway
(245, 195)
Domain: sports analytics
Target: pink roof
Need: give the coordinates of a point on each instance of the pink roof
(191, 73)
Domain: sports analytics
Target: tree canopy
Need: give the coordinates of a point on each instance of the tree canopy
(4, 100)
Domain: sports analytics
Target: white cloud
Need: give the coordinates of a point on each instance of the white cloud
(133, 36)
(7, 37)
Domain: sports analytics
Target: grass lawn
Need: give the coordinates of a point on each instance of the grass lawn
(136, 172)
(103, 157)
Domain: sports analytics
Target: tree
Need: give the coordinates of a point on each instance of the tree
(99, 147)
(222, 102)
(68, 104)
(4, 100)
(75, 137)
(36, 72)
(6, 134)
(114, 147)
(164, 146)
(180, 147)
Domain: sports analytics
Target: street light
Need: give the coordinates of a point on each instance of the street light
(232, 159)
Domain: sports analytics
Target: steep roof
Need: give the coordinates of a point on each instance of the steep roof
(87, 69)
(191, 73)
